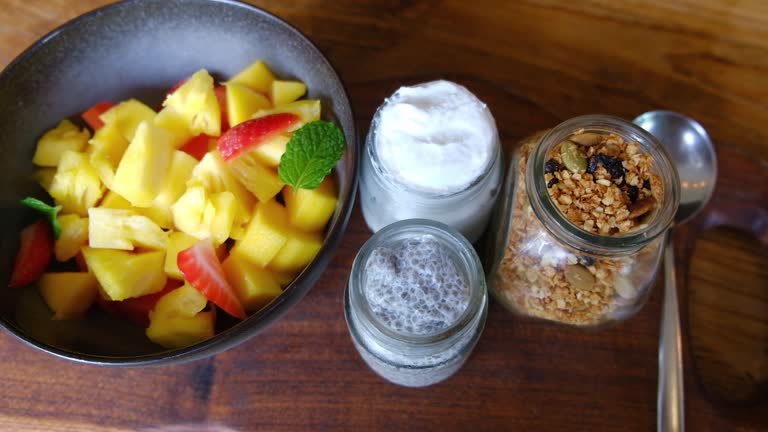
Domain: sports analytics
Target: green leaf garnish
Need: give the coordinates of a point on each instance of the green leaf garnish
(311, 154)
(49, 212)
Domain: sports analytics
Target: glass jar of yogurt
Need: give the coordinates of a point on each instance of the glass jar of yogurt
(416, 302)
(579, 229)
(432, 152)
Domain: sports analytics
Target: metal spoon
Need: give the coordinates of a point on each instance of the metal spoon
(694, 157)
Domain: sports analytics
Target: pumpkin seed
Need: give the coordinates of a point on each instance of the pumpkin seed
(579, 277)
(572, 157)
(586, 138)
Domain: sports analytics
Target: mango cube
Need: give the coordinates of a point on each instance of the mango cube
(242, 102)
(180, 331)
(310, 209)
(65, 136)
(185, 301)
(113, 200)
(127, 116)
(123, 274)
(260, 180)
(74, 235)
(257, 76)
(307, 110)
(142, 171)
(76, 185)
(299, 249)
(44, 177)
(107, 148)
(254, 286)
(69, 295)
(197, 102)
(176, 124)
(124, 230)
(266, 234)
(283, 92)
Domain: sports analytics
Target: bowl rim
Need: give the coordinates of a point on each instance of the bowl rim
(292, 294)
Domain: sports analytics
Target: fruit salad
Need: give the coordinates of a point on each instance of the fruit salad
(211, 204)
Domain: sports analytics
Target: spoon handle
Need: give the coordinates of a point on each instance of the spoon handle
(670, 403)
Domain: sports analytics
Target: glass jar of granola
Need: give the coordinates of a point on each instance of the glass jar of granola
(580, 226)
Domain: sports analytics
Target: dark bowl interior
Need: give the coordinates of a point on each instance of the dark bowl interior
(139, 49)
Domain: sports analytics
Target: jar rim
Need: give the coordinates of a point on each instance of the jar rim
(561, 227)
(469, 266)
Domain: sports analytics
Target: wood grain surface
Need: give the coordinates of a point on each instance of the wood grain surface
(536, 63)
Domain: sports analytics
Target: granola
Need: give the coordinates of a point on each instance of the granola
(542, 277)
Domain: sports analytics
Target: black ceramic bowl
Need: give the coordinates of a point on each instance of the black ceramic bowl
(139, 49)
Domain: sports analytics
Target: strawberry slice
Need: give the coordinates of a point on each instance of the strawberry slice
(91, 116)
(35, 253)
(202, 269)
(136, 310)
(197, 147)
(254, 132)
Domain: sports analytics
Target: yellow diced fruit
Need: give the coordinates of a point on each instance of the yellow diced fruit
(179, 173)
(185, 301)
(69, 295)
(270, 152)
(74, 235)
(124, 230)
(170, 119)
(214, 175)
(242, 102)
(76, 187)
(113, 200)
(307, 110)
(310, 209)
(197, 102)
(177, 242)
(180, 331)
(254, 286)
(142, 171)
(257, 76)
(257, 178)
(283, 92)
(124, 274)
(44, 177)
(284, 278)
(266, 234)
(204, 215)
(107, 148)
(300, 248)
(127, 116)
(65, 136)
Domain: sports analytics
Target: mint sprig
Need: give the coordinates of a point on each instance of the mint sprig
(49, 212)
(311, 154)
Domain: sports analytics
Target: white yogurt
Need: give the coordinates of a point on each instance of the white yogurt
(432, 152)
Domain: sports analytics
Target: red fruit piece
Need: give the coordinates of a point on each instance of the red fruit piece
(254, 132)
(35, 252)
(202, 269)
(177, 85)
(91, 116)
(197, 147)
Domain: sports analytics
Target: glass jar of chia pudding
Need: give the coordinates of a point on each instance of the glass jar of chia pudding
(416, 302)
(578, 233)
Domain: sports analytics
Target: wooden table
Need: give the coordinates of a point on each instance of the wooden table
(535, 62)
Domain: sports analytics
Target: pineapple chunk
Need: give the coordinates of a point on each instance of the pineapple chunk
(283, 92)
(124, 274)
(142, 171)
(124, 230)
(254, 286)
(65, 136)
(170, 119)
(179, 173)
(266, 234)
(242, 102)
(307, 110)
(310, 210)
(271, 151)
(300, 248)
(68, 295)
(257, 76)
(76, 187)
(283, 278)
(44, 177)
(127, 116)
(180, 331)
(114, 201)
(214, 175)
(184, 301)
(260, 180)
(197, 102)
(177, 242)
(107, 148)
(204, 215)
(74, 235)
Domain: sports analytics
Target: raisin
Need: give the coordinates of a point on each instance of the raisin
(552, 166)
(647, 184)
(552, 182)
(632, 192)
(592, 164)
(613, 166)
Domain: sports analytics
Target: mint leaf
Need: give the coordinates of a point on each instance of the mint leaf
(311, 154)
(49, 212)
